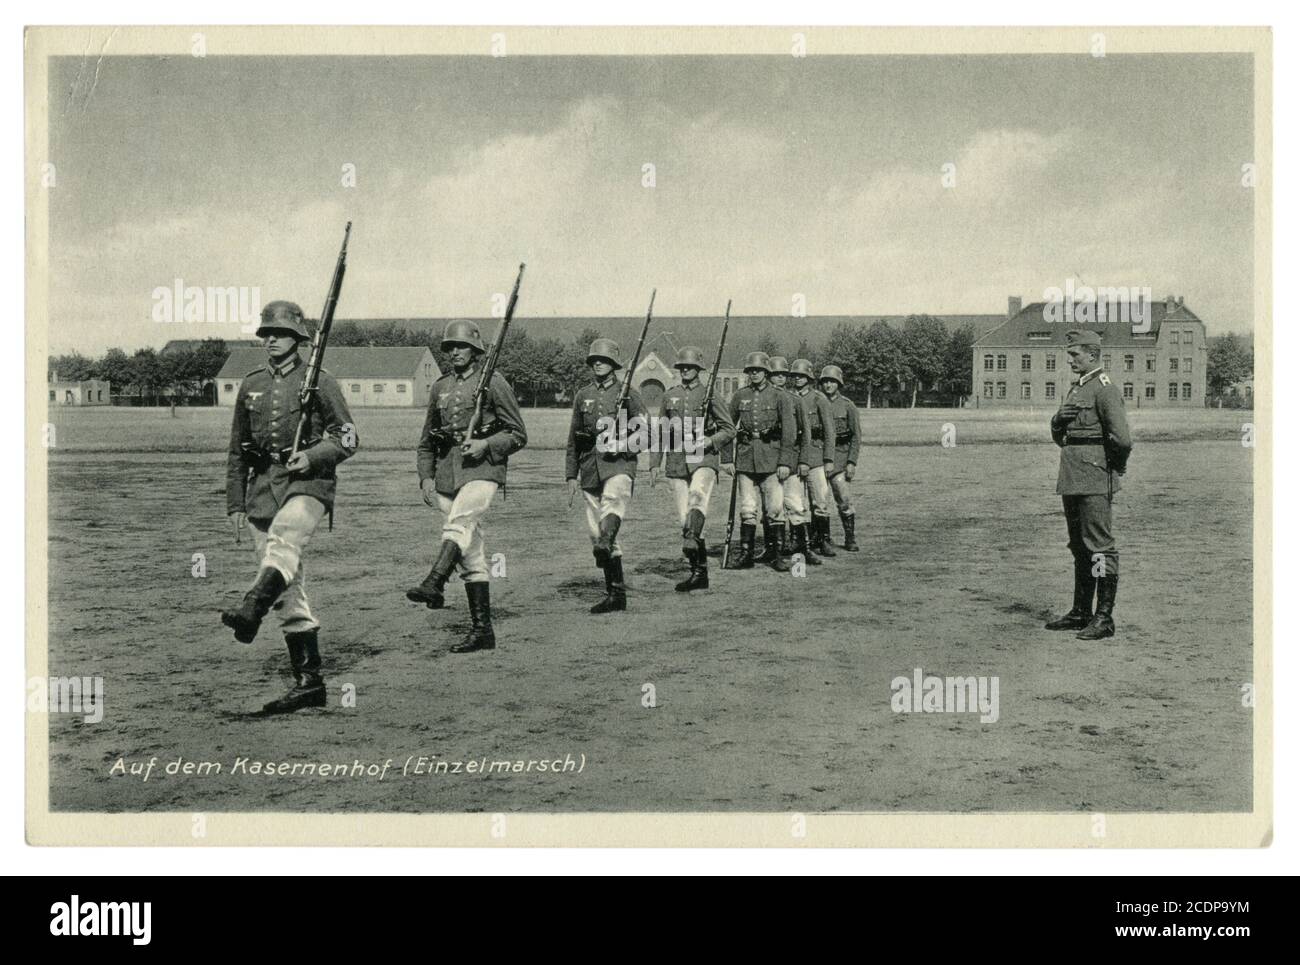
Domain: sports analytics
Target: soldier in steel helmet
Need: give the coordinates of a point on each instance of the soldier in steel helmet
(1092, 430)
(817, 457)
(282, 496)
(847, 441)
(693, 474)
(598, 461)
(460, 475)
(765, 456)
(795, 503)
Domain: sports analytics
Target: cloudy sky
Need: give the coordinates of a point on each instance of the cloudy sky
(773, 176)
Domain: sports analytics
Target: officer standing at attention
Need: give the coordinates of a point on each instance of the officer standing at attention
(819, 456)
(604, 472)
(282, 499)
(460, 475)
(795, 501)
(1092, 431)
(693, 482)
(765, 453)
(847, 440)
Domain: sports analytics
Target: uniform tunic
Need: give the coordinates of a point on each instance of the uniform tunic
(582, 460)
(266, 416)
(765, 429)
(451, 405)
(685, 403)
(847, 433)
(820, 420)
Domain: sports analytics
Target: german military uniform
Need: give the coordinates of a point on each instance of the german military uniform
(283, 507)
(848, 437)
(817, 450)
(765, 441)
(599, 460)
(694, 475)
(465, 485)
(1091, 429)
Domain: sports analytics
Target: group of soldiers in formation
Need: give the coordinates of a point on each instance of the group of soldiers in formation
(793, 448)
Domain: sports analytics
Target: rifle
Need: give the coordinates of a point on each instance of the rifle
(311, 378)
(636, 356)
(717, 365)
(731, 518)
(490, 364)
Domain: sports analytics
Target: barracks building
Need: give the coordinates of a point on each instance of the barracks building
(1022, 361)
(369, 377)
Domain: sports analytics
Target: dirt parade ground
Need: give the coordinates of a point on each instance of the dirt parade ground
(769, 692)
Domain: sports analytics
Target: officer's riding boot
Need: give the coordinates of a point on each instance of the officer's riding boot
(430, 591)
(309, 686)
(247, 617)
(822, 531)
(481, 636)
(615, 588)
(781, 556)
(850, 543)
(745, 561)
(604, 548)
(1102, 624)
(1081, 614)
(802, 544)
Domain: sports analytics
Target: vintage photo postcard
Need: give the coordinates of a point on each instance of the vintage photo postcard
(791, 437)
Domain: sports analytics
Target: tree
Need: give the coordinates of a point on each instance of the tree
(883, 365)
(115, 367)
(769, 345)
(73, 367)
(146, 374)
(957, 363)
(924, 345)
(1230, 359)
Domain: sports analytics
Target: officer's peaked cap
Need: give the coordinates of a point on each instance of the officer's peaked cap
(1083, 337)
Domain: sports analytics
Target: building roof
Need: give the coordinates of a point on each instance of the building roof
(344, 362)
(1031, 321)
(190, 344)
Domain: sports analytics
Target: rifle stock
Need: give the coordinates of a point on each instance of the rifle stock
(311, 378)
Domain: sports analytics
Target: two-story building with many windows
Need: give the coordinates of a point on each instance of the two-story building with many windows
(1023, 360)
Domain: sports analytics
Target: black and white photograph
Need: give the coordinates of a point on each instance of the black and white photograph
(768, 436)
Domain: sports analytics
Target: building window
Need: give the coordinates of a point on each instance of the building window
(988, 363)
(1150, 392)
(1173, 391)
(428, 368)
(1002, 363)
(1036, 336)
(230, 387)
(1151, 363)
(1026, 363)
(1128, 390)
(1002, 390)
(1051, 361)
(1105, 361)
(100, 395)
(401, 386)
(1025, 391)
(52, 395)
(1128, 363)
(1187, 391)
(988, 390)
(1050, 390)
(1173, 365)
(356, 387)
(379, 387)
(1187, 366)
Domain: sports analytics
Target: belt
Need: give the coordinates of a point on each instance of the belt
(1085, 441)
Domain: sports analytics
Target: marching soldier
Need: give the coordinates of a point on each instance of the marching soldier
(1092, 431)
(795, 502)
(693, 481)
(603, 471)
(460, 475)
(283, 499)
(818, 457)
(847, 439)
(765, 453)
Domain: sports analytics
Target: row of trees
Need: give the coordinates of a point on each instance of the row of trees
(920, 361)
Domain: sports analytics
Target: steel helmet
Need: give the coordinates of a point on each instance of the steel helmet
(282, 316)
(832, 372)
(604, 348)
(461, 331)
(689, 355)
(778, 365)
(757, 360)
(802, 367)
